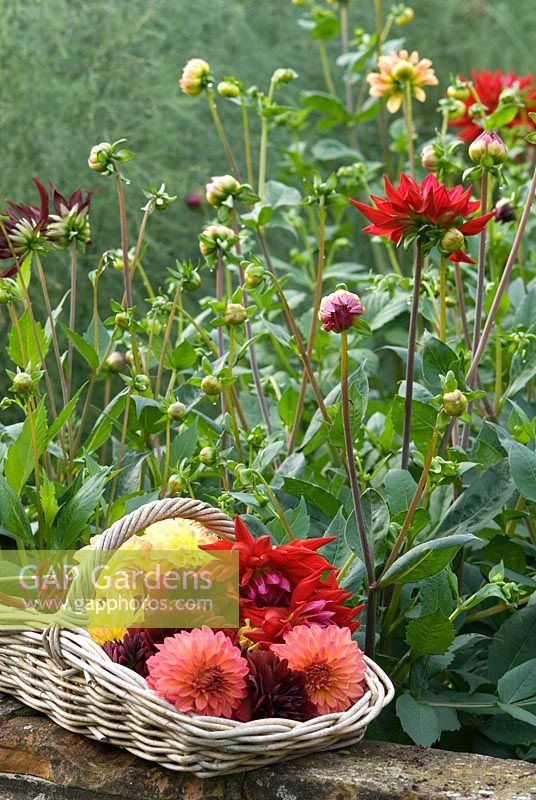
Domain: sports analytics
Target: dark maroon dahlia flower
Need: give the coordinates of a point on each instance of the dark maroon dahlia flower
(22, 230)
(132, 652)
(274, 690)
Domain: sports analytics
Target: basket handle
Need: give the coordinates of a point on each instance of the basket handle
(212, 518)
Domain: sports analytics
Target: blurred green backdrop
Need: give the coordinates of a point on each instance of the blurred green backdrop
(76, 72)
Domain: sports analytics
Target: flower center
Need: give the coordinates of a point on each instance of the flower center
(210, 680)
(317, 676)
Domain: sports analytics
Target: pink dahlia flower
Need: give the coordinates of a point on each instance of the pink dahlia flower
(340, 310)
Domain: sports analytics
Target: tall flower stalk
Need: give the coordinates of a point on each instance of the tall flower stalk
(410, 362)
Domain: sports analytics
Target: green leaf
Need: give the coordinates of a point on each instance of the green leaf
(64, 414)
(14, 521)
(279, 195)
(358, 399)
(430, 635)
(315, 495)
(423, 420)
(184, 444)
(333, 150)
(438, 359)
(518, 683)
(326, 104)
(72, 519)
(298, 519)
(520, 714)
(182, 357)
(19, 461)
(89, 355)
(523, 468)
(400, 488)
(425, 559)
(419, 720)
(480, 503)
(502, 116)
(436, 594)
(382, 309)
(376, 516)
(286, 406)
(513, 644)
(27, 352)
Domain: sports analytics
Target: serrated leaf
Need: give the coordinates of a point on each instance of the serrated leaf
(513, 644)
(184, 444)
(376, 516)
(14, 521)
(502, 116)
(72, 519)
(425, 559)
(25, 344)
(480, 503)
(19, 461)
(423, 420)
(315, 495)
(181, 357)
(518, 683)
(437, 359)
(64, 415)
(419, 720)
(432, 634)
(400, 488)
(82, 347)
(523, 468)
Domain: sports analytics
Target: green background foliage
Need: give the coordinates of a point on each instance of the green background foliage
(76, 72)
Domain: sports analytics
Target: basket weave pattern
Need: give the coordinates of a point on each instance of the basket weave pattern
(68, 677)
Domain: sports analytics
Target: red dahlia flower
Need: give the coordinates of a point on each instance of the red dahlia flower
(489, 86)
(313, 601)
(24, 228)
(267, 571)
(425, 211)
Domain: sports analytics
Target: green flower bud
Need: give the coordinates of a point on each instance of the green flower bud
(228, 89)
(192, 282)
(196, 76)
(405, 17)
(456, 110)
(253, 276)
(177, 411)
(122, 321)
(488, 149)
(208, 456)
(99, 158)
(211, 386)
(452, 240)
(116, 361)
(284, 75)
(141, 383)
(235, 314)
(22, 384)
(219, 188)
(459, 92)
(176, 484)
(454, 403)
(429, 158)
(214, 237)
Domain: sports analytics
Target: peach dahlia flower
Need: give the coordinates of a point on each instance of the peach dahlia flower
(395, 72)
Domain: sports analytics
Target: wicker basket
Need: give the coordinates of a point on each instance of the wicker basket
(68, 677)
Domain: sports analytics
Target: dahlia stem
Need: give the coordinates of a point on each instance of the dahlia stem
(247, 141)
(232, 414)
(314, 321)
(264, 141)
(167, 458)
(326, 69)
(167, 337)
(124, 238)
(504, 281)
(347, 79)
(366, 546)
(481, 273)
(277, 507)
(498, 369)
(221, 133)
(137, 254)
(35, 453)
(442, 299)
(411, 356)
(414, 503)
(384, 133)
(461, 305)
(408, 120)
(72, 317)
(120, 453)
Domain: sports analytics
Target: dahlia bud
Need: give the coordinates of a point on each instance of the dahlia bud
(488, 149)
(22, 384)
(405, 17)
(207, 456)
(99, 158)
(340, 310)
(454, 403)
(176, 484)
(429, 158)
(195, 77)
(504, 211)
(452, 240)
(253, 276)
(141, 383)
(122, 321)
(214, 237)
(235, 314)
(458, 92)
(192, 282)
(116, 361)
(456, 110)
(228, 89)
(194, 201)
(177, 411)
(284, 75)
(211, 386)
(5, 299)
(220, 188)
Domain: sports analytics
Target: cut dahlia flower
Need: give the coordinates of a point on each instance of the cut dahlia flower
(199, 671)
(424, 211)
(274, 690)
(333, 664)
(395, 72)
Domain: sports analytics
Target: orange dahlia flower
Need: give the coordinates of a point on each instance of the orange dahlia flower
(395, 72)
(333, 664)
